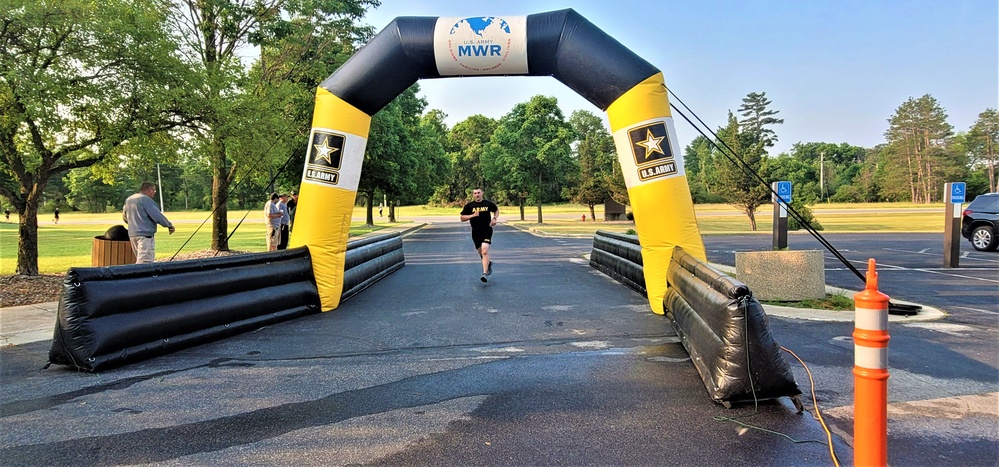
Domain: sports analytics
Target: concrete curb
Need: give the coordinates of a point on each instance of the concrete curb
(29, 323)
(927, 313)
(542, 234)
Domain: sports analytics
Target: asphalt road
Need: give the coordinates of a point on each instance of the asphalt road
(550, 363)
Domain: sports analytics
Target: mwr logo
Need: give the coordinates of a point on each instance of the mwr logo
(325, 156)
(653, 153)
(480, 43)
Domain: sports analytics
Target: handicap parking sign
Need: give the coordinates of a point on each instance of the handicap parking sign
(784, 192)
(957, 190)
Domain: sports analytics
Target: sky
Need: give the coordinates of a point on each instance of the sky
(836, 70)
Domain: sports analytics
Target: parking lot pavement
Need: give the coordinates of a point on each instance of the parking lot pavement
(552, 362)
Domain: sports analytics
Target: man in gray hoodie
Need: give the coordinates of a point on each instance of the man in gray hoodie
(142, 215)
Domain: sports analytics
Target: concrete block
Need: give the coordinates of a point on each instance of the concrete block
(789, 275)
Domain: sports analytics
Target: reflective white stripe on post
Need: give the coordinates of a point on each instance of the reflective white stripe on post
(874, 358)
(871, 319)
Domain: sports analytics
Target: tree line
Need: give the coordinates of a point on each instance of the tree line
(95, 100)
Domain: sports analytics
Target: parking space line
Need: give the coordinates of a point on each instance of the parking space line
(958, 275)
(925, 251)
(892, 267)
(980, 310)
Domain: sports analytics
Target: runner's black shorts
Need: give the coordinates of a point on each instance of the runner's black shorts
(480, 236)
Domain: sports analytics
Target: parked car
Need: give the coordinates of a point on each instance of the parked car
(980, 221)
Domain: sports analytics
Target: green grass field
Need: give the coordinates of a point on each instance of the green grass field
(68, 244)
(723, 219)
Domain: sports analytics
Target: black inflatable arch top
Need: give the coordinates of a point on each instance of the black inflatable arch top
(561, 44)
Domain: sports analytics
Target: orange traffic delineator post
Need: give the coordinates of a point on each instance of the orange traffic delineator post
(870, 374)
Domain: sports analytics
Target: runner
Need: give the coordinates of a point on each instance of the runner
(482, 215)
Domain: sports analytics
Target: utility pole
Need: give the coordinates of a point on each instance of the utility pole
(822, 176)
(159, 183)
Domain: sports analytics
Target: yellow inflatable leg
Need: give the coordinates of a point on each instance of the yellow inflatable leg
(652, 164)
(329, 187)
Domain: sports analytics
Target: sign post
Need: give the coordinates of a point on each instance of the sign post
(781, 199)
(953, 200)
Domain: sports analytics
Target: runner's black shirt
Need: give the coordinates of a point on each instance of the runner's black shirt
(480, 221)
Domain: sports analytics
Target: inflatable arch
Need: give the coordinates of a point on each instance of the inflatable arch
(561, 44)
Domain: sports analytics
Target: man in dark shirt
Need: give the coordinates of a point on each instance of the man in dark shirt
(482, 215)
(285, 221)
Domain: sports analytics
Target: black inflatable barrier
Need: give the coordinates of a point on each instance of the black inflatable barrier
(112, 316)
(620, 257)
(109, 316)
(726, 332)
(370, 259)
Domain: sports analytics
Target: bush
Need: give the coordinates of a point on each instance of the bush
(847, 194)
(700, 195)
(806, 215)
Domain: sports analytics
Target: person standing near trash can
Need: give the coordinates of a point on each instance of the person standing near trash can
(272, 215)
(55, 215)
(142, 215)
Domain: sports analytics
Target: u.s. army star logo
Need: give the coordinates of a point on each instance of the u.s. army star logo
(325, 156)
(653, 153)
(650, 143)
(327, 149)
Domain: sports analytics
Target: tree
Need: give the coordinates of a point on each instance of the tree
(833, 166)
(430, 144)
(529, 154)
(77, 81)
(699, 164)
(89, 193)
(756, 118)
(802, 175)
(464, 146)
(887, 175)
(917, 140)
(596, 157)
(295, 58)
(213, 34)
(982, 141)
(393, 162)
(866, 180)
(749, 138)
(736, 182)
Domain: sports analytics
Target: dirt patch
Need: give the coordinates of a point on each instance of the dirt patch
(27, 290)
